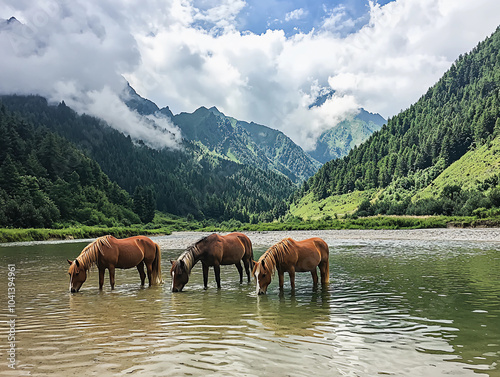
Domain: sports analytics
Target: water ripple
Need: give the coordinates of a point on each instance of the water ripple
(392, 308)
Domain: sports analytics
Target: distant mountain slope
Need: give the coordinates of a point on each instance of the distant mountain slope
(247, 143)
(187, 182)
(339, 140)
(461, 111)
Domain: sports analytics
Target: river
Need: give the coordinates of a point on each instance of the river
(393, 307)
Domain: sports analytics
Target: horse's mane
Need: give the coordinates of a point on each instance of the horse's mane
(88, 256)
(275, 254)
(189, 257)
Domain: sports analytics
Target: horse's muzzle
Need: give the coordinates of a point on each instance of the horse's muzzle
(73, 290)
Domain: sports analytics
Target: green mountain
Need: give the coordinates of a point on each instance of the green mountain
(460, 114)
(45, 180)
(247, 143)
(192, 181)
(339, 140)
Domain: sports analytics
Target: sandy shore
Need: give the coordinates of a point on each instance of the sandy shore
(181, 240)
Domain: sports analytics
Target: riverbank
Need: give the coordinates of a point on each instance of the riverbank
(181, 240)
(387, 227)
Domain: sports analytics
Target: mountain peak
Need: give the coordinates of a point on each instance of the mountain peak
(11, 22)
(216, 111)
(135, 102)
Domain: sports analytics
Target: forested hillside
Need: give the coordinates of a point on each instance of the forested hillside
(188, 182)
(461, 112)
(45, 180)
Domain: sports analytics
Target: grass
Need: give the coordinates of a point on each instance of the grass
(163, 225)
(310, 209)
(475, 166)
(42, 234)
(374, 222)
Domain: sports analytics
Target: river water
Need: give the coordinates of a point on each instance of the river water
(392, 308)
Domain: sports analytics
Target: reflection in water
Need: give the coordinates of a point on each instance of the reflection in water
(392, 308)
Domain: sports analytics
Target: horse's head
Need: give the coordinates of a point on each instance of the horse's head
(262, 275)
(180, 275)
(77, 275)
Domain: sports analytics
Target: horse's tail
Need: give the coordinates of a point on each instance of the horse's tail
(248, 246)
(325, 261)
(156, 268)
(252, 261)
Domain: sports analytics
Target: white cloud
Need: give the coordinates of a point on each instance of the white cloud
(221, 14)
(162, 49)
(155, 130)
(296, 14)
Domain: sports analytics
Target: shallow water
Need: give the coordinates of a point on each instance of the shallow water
(401, 308)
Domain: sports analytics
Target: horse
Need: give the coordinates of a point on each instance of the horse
(292, 256)
(213, 251)
(110, 252)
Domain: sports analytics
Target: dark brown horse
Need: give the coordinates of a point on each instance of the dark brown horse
(292, 256)
(213, 251)
(109, 252)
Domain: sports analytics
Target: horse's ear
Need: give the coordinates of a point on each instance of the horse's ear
(181, 262)
(171, 261)
(69, 261)
(77, 263)
(263, 264)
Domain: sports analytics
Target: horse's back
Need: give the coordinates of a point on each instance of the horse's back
(132, 250)
(322, 247)
(235, 246)
(310, 253)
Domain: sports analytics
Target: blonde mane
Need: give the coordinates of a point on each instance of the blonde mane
(275, 254)
(188, 257)
(88, 256)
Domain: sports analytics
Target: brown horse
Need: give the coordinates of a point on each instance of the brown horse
(292, 256)
(213, 251)
(109, 252)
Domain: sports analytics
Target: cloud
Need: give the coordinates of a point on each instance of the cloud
(187, 54)
(155, 130)
(78, 53)
(296, 14)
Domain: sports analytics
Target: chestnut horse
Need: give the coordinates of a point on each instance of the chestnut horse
(109, 252)
(213, 251)
(292, 256)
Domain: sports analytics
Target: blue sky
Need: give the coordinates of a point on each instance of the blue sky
(263, 61)
(302, 15)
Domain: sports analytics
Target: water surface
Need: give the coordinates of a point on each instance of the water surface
(400, 308)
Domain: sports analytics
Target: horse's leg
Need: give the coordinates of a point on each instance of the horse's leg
(281, 279)
(149, 269)
(246, 263)
(314, 275)
(291, 273)
(101, 277)
(217, 274)
(205, 275)
(111, 269)
(140, 268)
(240, 270)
